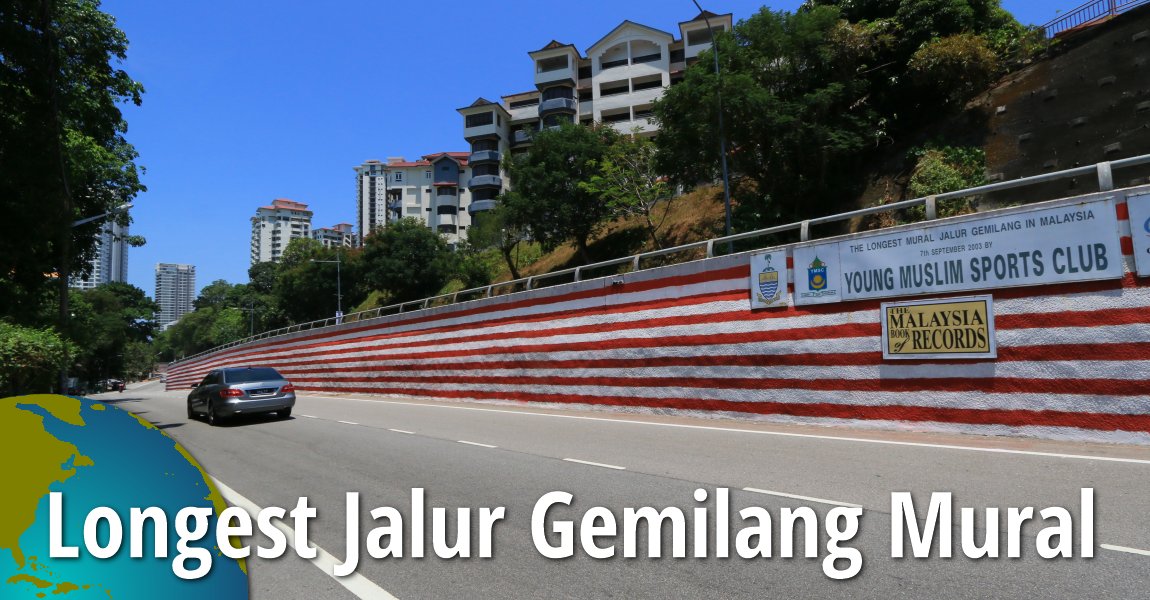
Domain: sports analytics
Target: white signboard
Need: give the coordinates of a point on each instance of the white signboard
(817, 274)
(1140, 231)
(1067, 243)
(768, 279)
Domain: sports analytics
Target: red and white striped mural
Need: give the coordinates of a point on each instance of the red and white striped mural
(1072, 359)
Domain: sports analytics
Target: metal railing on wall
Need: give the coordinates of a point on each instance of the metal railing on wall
(1103, 171)
(1089, 13)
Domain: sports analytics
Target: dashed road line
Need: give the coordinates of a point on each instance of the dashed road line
(348, 422)
(402, 431)
(595, 464)
(355, 583)
(761, 432)
(804, 498)
(1125, 549)
(476, 444)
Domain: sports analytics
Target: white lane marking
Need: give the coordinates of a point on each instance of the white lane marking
(402, 431)
(309, 416)
(476, 444)
(1126, 550)
(348, 422)
(355, 583)
(774, 433)
(804, 498)
(594, 464)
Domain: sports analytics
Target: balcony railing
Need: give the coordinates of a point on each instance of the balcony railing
(483, 156)
(558, 105)
(479, 206)
(485, 181)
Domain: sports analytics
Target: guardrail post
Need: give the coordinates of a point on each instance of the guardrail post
(710, 248)
(530, 280)
(635, 263)
(805, 231)
(1105, 177)
(931, 208)
(426, 303)
(487, 294)
(578, 273)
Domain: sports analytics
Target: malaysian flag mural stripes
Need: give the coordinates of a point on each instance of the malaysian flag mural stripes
(1072, 360)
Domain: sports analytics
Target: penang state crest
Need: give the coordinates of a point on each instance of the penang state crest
(769, 283)
(768, 280)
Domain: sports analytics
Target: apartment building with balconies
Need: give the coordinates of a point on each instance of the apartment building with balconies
(433, 189)
(275, 226)
(341, 235)
(616, 82)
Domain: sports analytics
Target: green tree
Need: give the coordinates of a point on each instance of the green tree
(491, 229)
(406, 261)
(627, 180)
(547, 199)
(106, 320)
(63, 155)
(796, 106)
(30, 359)
(306, 290)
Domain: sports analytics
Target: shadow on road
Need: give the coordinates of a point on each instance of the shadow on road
(246, 420)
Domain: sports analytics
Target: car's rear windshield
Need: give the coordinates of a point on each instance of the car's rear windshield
(250, 374)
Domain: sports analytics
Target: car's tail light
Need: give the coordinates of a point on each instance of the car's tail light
(287, 389)
(231, 392)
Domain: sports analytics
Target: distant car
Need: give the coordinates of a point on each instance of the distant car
(235, 391)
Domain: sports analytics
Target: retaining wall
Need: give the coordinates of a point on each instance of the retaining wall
(1072, 358)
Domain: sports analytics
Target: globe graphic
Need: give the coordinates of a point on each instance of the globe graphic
(97, 455)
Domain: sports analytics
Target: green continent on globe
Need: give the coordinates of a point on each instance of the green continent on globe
(96, 455)
(35, 459)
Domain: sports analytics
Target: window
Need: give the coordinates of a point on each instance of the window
(677, 55)
(612, 88)
(560, 91)
(398, 177)
(646, 84)
(552, 64)
(427, 175)
(647, 59)
(480, 119)
(525, 103)
(701, 36)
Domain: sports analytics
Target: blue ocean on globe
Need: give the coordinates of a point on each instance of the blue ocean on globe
(117, 461)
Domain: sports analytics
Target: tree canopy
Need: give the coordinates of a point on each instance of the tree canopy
(809, 95)
(547, 198)
(63, 155)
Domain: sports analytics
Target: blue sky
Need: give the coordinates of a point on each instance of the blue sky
(252, 100)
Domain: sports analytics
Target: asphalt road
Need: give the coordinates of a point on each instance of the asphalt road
(469, 455)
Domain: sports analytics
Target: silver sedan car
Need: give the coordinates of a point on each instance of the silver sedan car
(235, 391)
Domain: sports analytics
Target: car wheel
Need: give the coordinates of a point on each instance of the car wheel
(191, 415)
(285, 413)
(213, 419)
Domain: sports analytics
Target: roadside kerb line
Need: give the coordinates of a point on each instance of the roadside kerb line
(594, 464)
(758, 432)
(476, 444)
(1125, 549)
(355, 583)
(803, 498)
